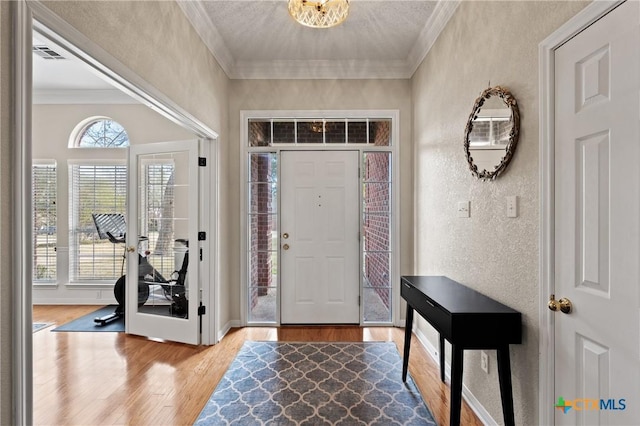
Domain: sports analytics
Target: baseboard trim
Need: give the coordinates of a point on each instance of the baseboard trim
(228, 326)
(467, 395)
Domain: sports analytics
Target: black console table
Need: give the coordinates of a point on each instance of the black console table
(468, 320)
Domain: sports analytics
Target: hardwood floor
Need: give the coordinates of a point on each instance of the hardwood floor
(114, 379)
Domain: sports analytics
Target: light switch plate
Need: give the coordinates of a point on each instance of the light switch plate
(512, 206)
(463, 209)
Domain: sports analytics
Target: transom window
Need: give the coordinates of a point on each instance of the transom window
(306, 131)
(100, 132)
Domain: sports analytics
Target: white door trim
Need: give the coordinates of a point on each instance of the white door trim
(546, 52)
(394, 115)
(64, 34)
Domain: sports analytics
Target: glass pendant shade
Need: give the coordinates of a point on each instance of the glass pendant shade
(319, 14)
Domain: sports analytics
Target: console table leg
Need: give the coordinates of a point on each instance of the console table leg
(456, 385)
(504, 373)
(441, 358)
(407, 342)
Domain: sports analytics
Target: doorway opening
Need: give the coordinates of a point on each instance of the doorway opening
(35, 16)
(279, 210)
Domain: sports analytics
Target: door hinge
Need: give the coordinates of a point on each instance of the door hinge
(200, 255)
(202, 161)
(359, 300)
(202, 236)
(202, 310)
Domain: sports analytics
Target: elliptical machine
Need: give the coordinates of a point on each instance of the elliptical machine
(112, 226)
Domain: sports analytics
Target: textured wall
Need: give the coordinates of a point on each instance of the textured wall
(319, 95)
(496, 255)
(155, 40)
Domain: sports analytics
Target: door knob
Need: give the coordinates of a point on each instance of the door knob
(131, 249)
(285, 246)
(563, 304)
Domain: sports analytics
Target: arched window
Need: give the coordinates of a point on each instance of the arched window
(99, 132)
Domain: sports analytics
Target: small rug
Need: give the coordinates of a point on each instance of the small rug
(37, 326)
(85, 323)
(316, 384)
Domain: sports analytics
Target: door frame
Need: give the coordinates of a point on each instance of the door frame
(546, 54)
(394, 148)
(27, 16)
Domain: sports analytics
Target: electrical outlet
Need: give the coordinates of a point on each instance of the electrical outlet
(484, 362)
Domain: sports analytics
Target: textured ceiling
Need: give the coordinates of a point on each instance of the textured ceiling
(258, 38)
(263, 30)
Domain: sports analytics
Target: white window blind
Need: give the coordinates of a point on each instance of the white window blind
(94, 188)
(44, 186)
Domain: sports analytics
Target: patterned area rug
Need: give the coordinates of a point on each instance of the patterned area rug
(316, 384)
(37, 326)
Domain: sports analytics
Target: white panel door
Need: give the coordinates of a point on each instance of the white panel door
(162, 300)
(597, 216)
(319, 242)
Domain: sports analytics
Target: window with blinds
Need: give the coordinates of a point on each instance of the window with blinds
(44, 186)
(94, 188)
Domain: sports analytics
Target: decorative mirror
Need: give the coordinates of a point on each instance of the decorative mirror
(491, 135)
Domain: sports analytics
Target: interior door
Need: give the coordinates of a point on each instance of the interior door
(320, 237)
(597, 215)
(162, 232)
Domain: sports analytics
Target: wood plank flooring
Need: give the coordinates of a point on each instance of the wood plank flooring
(116, 379)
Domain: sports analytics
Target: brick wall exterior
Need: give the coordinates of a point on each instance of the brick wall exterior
(260, 225)
(377, 225)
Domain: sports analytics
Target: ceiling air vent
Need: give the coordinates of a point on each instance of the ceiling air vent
(46, 52)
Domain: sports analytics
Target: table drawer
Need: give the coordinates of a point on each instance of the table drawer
(430, 311)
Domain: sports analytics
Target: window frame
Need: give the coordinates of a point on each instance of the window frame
(75, 278)
(75, 139)
(45, 163)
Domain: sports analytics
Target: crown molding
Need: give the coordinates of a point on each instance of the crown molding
(438, 20)
(318, 69)
(199, 18)
(321, 69)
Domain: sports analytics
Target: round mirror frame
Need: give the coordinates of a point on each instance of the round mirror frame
(510, 102)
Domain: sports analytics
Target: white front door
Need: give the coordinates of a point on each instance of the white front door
(597, 217)
(319, 243)
(162, 242)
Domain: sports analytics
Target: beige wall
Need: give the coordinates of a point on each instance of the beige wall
(496, 255)
(319, 95)
(156, 41)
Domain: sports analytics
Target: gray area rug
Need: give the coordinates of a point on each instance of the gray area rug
(279, 383)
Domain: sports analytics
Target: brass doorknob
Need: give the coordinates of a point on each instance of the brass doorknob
(285, 247)
(131, 249)
(553, 303)
(563, 304)
(285, 235)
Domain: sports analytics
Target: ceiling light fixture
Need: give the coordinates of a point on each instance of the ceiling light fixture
(320, 13)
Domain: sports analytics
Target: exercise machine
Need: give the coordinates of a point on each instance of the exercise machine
(112, 226)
